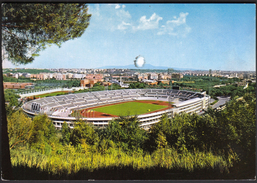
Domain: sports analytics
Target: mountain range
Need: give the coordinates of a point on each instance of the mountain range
(146, 66)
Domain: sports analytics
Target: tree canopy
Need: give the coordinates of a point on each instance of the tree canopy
(218, 143)
(29, 28)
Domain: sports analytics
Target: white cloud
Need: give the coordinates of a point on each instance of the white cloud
(176, 27)
(117, 6)
(180, 20)
(151, 23)
(116, 17)
(124, 25)
(122, 14)
(108, 17)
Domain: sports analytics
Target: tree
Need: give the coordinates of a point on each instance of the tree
(65, 133)
(160, 131)
(114, 132)
(83, 132)
(126, 133)
(28, 29)
(19, 127)
(134, 136)
(43, 131)
(97, 84)
(161, 140)
(12, 98)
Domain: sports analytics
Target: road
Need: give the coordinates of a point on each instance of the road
(222, 101)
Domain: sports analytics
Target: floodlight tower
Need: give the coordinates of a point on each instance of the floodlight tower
(170, 70)
(170, 104)
(209, 85)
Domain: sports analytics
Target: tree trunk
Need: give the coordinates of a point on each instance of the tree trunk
(6, 167)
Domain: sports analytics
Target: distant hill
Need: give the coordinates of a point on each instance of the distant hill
(146, 66)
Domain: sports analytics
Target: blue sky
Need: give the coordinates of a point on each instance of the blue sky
(198, 36)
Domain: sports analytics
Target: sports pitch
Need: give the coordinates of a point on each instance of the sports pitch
(129, 108)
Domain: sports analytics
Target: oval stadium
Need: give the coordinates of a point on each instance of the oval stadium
(100, 107)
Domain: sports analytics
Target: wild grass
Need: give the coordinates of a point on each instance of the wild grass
(71, 162)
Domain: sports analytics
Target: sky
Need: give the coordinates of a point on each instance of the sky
(197, 36)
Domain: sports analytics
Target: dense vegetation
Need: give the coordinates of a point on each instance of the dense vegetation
(52, 94)
(219, 144)
(197, 83)
(31, 71)
(11, 100)
(28, 28)
(15, 80)
(150, 70)
(98, 87)
(45, 83)
(205, 83)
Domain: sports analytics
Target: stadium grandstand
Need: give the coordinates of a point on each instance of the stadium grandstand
(60, 108)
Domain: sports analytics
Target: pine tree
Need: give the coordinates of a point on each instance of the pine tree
(29, 28)
(26, 30)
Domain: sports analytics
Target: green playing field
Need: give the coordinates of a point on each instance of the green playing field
(129, 108)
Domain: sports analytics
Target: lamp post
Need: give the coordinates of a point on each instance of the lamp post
(209, 86)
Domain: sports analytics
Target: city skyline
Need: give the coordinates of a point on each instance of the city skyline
(197, 36)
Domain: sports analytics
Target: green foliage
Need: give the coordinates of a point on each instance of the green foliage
(19, 80)
(224, 132)
(161, 140)
(240, 118)
(52, 94)
(31, 71)
(83, 131)
(216, 141)
(150, 70)
(114, 86)
(71, 162)
(204, 82)
(19, 127)
(12, 99)
(97, 84)
(126, 133)
(42, 134)
(137, 85)
(66, 133)
(97, 87)
(29, 28)
(72, 83)
(9, 79)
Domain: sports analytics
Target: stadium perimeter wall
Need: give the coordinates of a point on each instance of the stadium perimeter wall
(58, 108)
